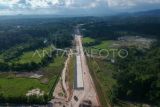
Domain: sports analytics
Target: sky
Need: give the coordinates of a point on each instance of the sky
(75, 7)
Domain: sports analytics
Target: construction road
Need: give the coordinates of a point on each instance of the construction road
(89, 92)
(83, 96)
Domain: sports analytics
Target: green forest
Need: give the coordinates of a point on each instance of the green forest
(138, 76)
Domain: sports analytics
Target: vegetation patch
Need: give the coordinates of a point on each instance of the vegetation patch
(33, 56)
(137, 76)
(104, 45)
(24, 61)
(17, 88)
(70, 76)
(101, 72)
(88, 40)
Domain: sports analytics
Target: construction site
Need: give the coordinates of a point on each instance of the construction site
(83, 92)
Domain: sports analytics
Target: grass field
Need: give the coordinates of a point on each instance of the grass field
(104, 45)
(54, 68)
(101, 72)
(33, 56)
(29, 56)
(104, 49)
(12, 86)
(87, 40)
(16, 87)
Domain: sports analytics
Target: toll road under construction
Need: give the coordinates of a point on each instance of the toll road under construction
(79, 83)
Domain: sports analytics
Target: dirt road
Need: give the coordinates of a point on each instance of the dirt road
(61, 88)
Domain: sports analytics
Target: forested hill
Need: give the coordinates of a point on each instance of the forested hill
(155, 12)
(34, 31)
(125, 24)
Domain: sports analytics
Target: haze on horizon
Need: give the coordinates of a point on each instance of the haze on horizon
(75, 7)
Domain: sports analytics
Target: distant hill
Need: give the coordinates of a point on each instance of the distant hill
(150, 16)
(148, 13)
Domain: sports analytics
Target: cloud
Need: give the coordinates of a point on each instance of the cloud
(8, 3)
(46, 3)
(121, 3)
(94, 4)
(46, 6)
(130, 3)
(33, 4)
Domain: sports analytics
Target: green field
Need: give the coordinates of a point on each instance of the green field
(104, 45)
(16, 87)
(54, 68)
(87, 40)
(12, 86)
(33, 56)
(103, 49)
(101, 72)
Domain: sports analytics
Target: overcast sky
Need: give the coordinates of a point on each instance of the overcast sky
(74, 7)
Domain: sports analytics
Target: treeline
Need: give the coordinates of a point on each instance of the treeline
(34, 99)
(138, 76)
